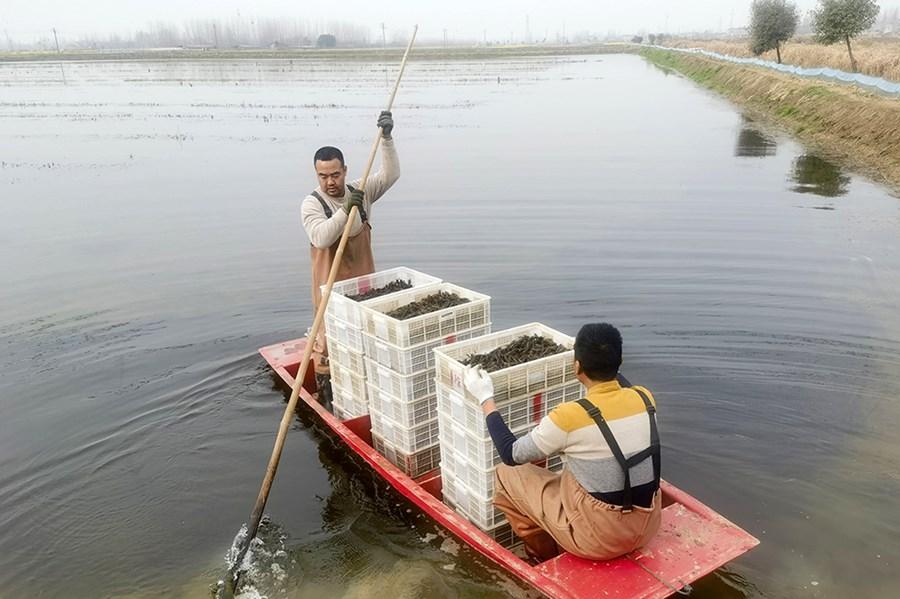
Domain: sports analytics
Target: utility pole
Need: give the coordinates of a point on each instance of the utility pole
(527, 31)
(384, 51)
(216, 36)
(445, 38)
(57, 41)
(8, 41)
(484, 36)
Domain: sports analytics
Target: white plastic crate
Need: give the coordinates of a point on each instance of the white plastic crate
(406, 439)
(412, 464)
(502, 533)
(434, 325)
(411, 360)
(340, 354)
(346, 334)
(349, 311)
(403, 413)
(349, 404)
(343, 416)
(482, 514)
(405, 387)
(475, 505)
(515, 381)
(473, 447)
(479, 481)
(517, 413)
(348, 382)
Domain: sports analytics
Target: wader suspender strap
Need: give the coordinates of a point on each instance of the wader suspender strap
(626, 464)
(654, 437)
(327, 209)
(328, 212)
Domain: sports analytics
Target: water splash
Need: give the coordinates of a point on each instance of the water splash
(264, 569)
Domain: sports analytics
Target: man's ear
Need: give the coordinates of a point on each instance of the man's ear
(578, 369)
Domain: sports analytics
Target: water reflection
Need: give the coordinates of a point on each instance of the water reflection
(818, 176)
(752, 143)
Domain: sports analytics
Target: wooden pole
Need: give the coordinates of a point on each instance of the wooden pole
(256, 515)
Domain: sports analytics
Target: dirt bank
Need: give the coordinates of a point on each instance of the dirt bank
(855, 127)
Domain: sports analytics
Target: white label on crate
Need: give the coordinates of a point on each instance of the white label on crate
(381, 327)
(536, 376)
(339, 306)
(456, 379)
(457, 407)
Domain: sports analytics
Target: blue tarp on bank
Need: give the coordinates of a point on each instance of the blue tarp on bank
(877, 83)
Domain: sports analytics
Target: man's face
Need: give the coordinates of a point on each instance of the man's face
(331, 174)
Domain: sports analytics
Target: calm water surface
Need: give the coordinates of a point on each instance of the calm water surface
(150, 242)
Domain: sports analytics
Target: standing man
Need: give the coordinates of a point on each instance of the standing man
(606, 502)
(325, 212)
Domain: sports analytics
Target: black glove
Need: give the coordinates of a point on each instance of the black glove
(386, 122)
(356, 199)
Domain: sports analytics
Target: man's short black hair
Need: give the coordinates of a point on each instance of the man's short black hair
(327, 153)
(598, 347)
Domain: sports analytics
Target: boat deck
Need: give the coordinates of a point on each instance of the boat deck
(693, 540)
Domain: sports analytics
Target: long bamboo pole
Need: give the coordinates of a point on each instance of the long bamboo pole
(256, 515)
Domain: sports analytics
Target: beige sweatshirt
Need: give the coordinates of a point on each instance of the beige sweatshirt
(324, 232)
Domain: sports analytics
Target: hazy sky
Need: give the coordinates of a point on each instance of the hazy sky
(26, 20)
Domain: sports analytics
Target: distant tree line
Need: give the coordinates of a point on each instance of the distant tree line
(236, 32)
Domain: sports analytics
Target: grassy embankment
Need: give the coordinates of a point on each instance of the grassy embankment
(855, 127)
(360, 54)
(879, 57)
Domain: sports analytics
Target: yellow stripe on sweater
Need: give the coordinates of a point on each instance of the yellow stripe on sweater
(611, 399)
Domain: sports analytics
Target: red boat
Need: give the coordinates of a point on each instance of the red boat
(692, 541)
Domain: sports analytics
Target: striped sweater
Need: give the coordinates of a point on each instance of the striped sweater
(569, 430)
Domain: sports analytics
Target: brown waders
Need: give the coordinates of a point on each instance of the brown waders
(357, 261)
(548, 511)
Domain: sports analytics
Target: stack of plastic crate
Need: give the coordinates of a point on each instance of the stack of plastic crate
(523, 395)
(344, 333)
(400, 367)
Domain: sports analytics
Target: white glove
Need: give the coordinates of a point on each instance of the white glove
(478, 383)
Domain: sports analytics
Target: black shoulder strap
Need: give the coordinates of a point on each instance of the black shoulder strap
(626, 464)
(327, 209)
(594, 412)
(325, 206)
(654, 436)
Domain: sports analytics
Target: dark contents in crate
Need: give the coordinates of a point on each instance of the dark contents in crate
(432, 303)
(395, 285)
(522, 350)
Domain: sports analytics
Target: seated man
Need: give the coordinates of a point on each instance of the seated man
(606, 502)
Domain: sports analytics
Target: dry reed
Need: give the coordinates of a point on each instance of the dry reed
(879, 57)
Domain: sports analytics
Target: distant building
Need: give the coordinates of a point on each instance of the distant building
(326, 40)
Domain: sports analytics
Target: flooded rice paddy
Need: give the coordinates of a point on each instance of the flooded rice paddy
(150, 242)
